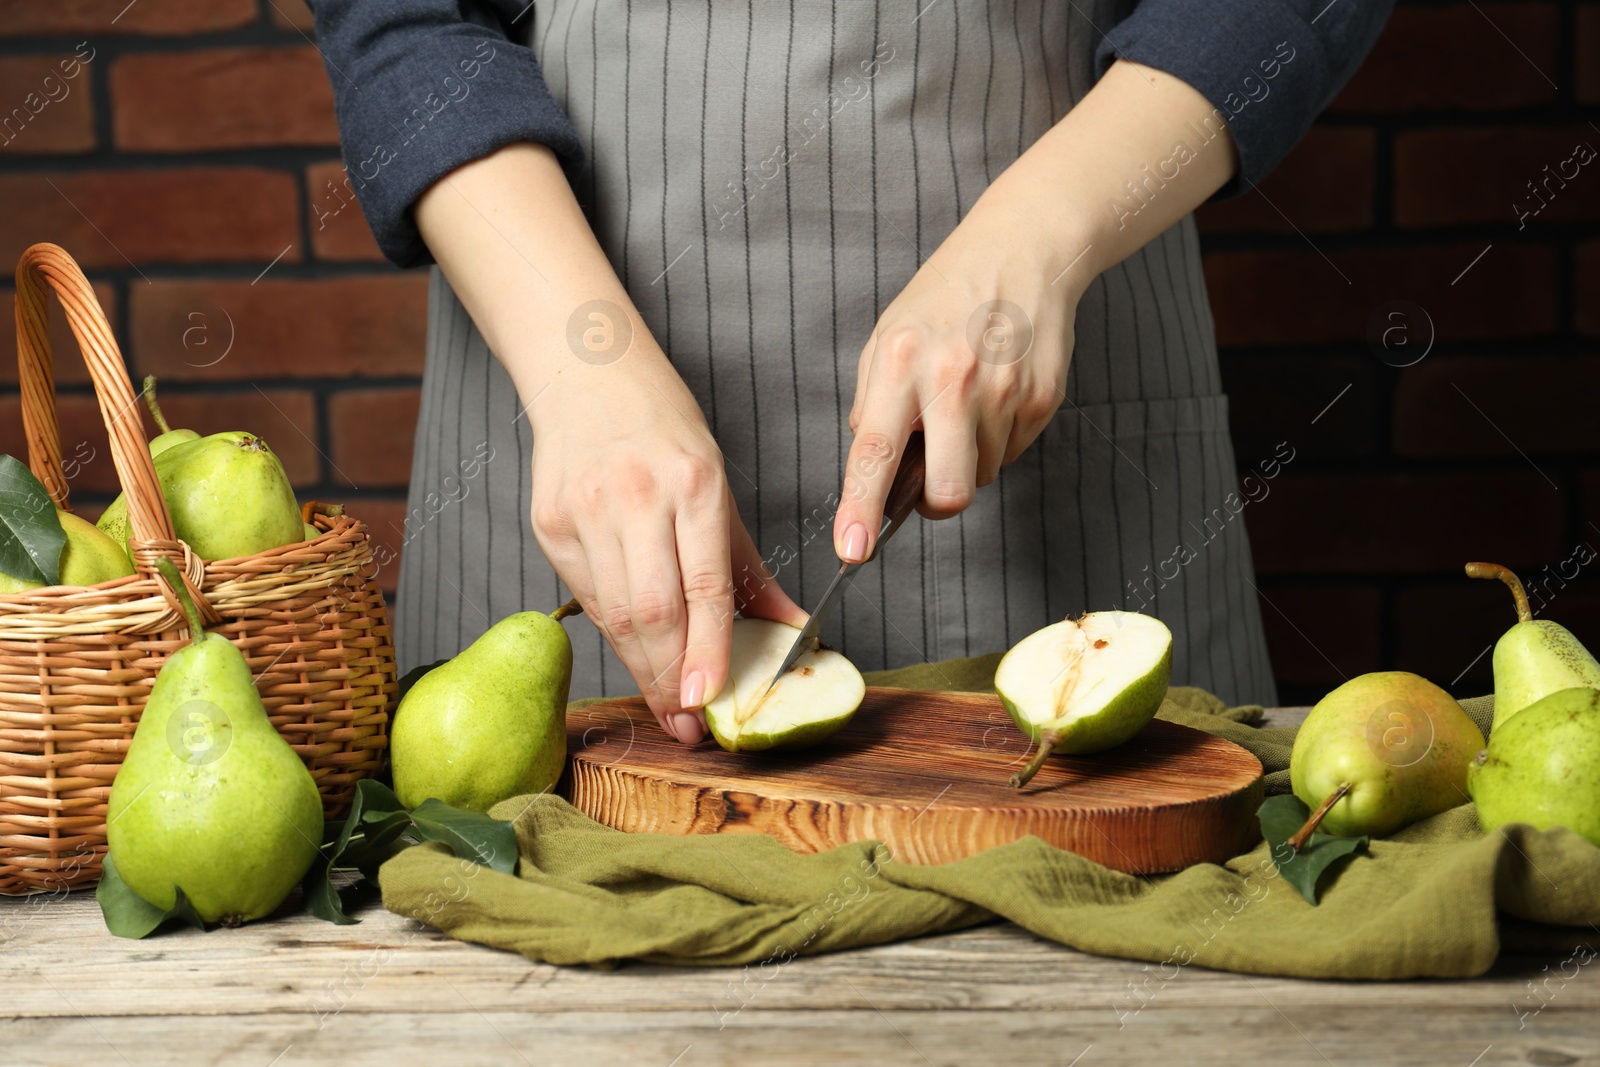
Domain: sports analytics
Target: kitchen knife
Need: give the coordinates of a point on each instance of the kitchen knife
(904, 493)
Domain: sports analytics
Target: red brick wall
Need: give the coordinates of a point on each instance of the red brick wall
(1489, 447)
(186, 164)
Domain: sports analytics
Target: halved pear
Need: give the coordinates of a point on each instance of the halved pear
(810, 703)
(1085, 685)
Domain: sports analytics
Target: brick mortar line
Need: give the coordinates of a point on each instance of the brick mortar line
(245, 270)
(261, 33)
(105, 157)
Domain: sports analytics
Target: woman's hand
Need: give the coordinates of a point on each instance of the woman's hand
(975, 350)
(632, 507)
(630, 502)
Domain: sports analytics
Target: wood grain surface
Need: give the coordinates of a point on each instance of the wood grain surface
(297, 992)
(926, 773)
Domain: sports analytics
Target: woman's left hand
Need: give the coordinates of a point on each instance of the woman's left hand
(974, 353)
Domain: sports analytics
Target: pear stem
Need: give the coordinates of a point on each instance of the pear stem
(1302, 835)
(150, 402)
(571, 607)
(1046, 742)
(197, 625)
(1494, 571)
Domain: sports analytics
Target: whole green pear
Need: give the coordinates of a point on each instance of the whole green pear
(1397, 741)
(88, 558)
(489, 724)
(1543, 766)
(1536, 657)
(228, 496)
(113, 520)
(210, 799)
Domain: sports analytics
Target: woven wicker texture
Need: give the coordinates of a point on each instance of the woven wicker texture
(77, 663)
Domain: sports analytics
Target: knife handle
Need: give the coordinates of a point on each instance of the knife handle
(906, 489)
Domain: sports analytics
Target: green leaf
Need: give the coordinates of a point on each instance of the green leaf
(127, 914)
(375, 843)
(374, 801)
(321, 898)
(1280, 818)
(358, 841)
(471, 835)
(372, 833)
(31, 537)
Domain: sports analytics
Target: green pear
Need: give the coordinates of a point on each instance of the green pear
(1536, 657)
(113, 522)
(228, 496)
(170, 439)
(88, 558)
(1543, 767)
(312, 533)
(210, 799)
(810, 703)
(492, 722)
(1085, 685)
(1381, 752)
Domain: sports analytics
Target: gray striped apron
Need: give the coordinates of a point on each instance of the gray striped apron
(765, 177)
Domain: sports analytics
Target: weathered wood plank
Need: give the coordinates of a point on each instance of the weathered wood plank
(61, 955)
(1221, 1034)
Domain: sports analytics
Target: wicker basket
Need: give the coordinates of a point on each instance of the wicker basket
(77, 663)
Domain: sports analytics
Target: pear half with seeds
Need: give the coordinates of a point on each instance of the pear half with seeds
(809, 703)
(1085, 685)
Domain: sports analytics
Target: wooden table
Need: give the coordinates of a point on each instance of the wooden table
(391, 992)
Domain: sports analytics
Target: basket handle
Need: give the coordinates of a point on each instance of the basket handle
(151, 523)
(43, 264)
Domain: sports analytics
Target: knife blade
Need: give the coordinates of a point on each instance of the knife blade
(904, 493)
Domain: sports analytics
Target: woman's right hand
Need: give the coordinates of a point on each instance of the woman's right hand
(631, 505)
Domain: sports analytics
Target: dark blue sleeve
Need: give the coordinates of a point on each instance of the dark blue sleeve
(1267, 66)
(420, 88)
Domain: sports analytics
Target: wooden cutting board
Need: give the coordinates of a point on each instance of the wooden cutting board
(926, 773)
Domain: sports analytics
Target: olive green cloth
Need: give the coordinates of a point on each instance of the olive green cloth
(1437, 899)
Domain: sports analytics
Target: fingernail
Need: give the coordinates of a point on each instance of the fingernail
(855, 543)
(688, 728)
(694, 690)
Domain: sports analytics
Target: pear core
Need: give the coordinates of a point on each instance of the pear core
(1085, 685)
(1074, 669)
(813, 699)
